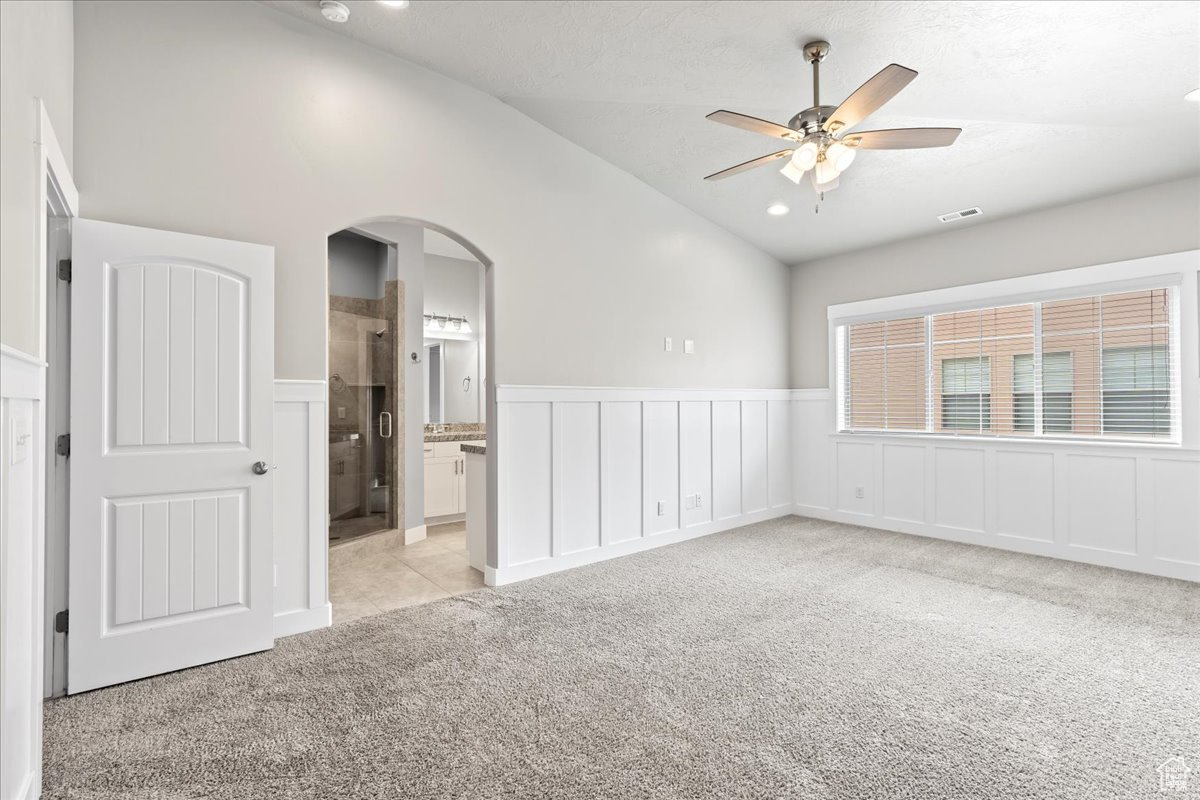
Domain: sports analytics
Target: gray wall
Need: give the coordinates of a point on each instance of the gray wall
(452, 287)
(357, 266)
(36, 60)
(288, 132)
(1134, 224)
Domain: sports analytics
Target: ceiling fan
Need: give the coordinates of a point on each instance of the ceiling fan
(823, 143)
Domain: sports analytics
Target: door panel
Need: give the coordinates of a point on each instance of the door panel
(171, 404)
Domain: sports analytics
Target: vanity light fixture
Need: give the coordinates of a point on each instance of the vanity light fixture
(438, 323)
(397, 4)
(777, 209)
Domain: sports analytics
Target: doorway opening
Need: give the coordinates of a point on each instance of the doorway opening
(408, 351)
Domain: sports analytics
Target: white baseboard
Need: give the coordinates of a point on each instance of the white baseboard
(1161, 567)
(413, 535)
(545, 566)
(302, 620)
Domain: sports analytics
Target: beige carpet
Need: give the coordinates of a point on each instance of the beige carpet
(790, 659)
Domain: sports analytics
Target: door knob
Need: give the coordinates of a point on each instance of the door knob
(260, 468)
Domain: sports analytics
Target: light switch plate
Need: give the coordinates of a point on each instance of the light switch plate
(667, 344)
(689, 346)
(341, 412)
(662, 508)
(19, 434)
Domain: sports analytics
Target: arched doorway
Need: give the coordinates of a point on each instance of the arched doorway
(396, 400)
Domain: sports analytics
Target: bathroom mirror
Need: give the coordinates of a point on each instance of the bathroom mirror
(451, 381)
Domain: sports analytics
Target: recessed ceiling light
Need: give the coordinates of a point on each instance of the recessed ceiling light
(1193, 95)
(777, 209)
(394, 3)
(334, 11)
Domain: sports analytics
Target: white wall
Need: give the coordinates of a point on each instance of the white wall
(1143, 222)
(288, 132)
(583, 471)
(36, 60)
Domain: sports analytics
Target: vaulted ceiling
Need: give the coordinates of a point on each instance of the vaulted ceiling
(1058, 101)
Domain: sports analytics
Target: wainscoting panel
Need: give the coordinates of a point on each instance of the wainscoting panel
(22, 514)
(621, 471)
(754, 456)
(577, 494)
(727, 459)
(695, 461)
(714, 460)
(1134, 507)
(904, 482)
(1102, 502)
(301, 514)
(958, 488)
(1025, 495)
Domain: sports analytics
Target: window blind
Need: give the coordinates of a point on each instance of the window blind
(1100, 366)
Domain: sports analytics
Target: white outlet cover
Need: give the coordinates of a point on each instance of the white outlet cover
(667, 344)
(662, 508)
(689, 346)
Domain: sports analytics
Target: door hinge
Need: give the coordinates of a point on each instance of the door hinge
(64, 269)
(62, 621)
(62, 445)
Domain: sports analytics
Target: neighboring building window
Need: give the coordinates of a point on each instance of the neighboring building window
(1057, 384)
(1106, 370)
(967, 394)
(1137, 390)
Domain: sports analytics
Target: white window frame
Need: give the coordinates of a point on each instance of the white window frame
(1175, 271)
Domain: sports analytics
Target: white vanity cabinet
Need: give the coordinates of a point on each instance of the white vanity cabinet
(445, 479)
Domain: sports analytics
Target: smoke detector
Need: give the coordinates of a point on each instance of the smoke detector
(957, 215)
(334, 11)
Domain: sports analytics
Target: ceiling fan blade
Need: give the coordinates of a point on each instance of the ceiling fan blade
(867, 98)
(748, 165)
(754, 125)
(902, 138)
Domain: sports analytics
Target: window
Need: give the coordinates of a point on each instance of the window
(1091, 367)
(1137, 390)
(967, 394)
(1057, 383)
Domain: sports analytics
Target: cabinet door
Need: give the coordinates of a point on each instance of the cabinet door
(441, 487)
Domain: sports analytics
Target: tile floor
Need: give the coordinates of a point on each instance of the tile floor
(394, 575)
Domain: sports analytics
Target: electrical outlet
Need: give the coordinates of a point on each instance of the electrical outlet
(341, 412)
(667, 344)
(689, 347)
(699, 502)
(859, 492)
(662, 508)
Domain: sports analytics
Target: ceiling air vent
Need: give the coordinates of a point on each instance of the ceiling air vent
(956, 215)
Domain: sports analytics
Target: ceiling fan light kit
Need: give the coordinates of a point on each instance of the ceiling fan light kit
(823, 144)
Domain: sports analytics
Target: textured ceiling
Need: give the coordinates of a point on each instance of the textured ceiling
(1058, 101)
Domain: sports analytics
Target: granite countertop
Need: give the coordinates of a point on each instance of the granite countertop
(450, 436)
(455, 432)
(474, 449)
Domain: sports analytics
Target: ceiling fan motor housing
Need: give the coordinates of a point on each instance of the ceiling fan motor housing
(809, 120)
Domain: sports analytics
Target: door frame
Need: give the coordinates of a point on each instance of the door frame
(57, 203)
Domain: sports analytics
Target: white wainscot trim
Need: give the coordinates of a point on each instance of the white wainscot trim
(22, 566)
(1121, 505)
(301, 537)
(588, 474)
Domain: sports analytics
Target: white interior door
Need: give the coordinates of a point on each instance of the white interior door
(172, 350)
